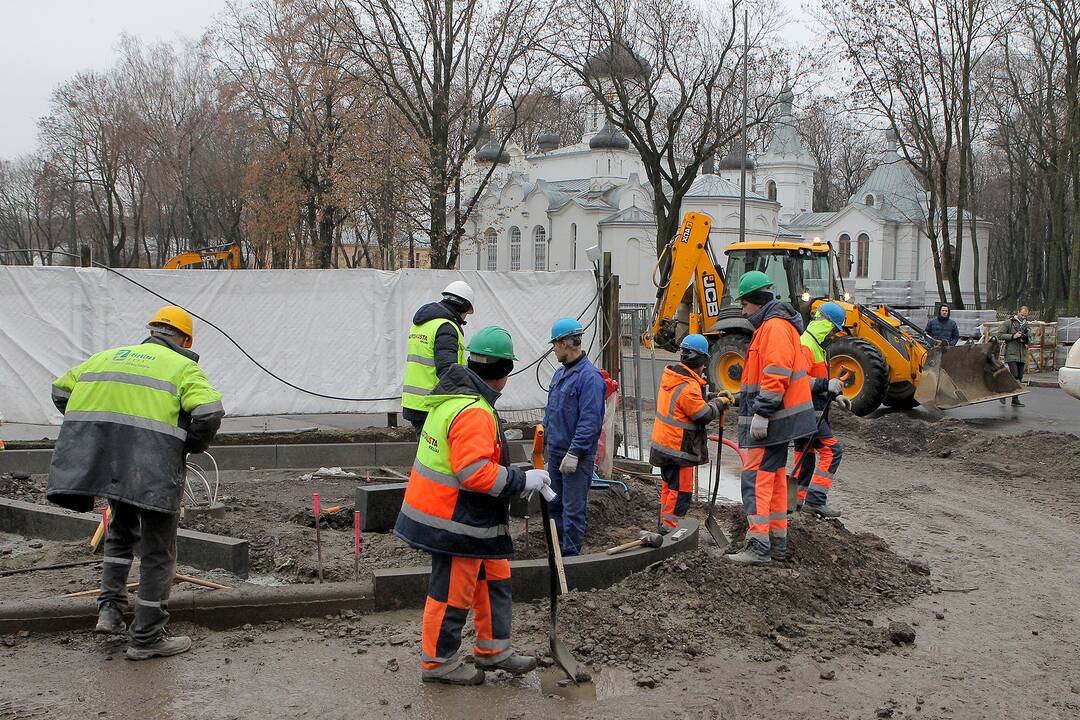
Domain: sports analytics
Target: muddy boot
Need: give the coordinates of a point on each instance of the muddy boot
(461, 675)
(779, 550)
(751, 555)
(512, 663)
(822, 511)
(1001, 400)
(1016, 402)
(164, 646)
(110, 621)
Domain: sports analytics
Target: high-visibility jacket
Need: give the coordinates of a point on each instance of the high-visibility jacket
(678, 436)
(131, 415)
(421, 374)
(774, 378)
(816, 358)
(456, 502)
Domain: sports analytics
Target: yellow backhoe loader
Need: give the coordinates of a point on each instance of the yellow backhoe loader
(883, 357)
(220, 257)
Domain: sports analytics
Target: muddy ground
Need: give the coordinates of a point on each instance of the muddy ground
(993, 519)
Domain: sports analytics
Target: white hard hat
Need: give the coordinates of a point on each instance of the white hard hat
(460, 289)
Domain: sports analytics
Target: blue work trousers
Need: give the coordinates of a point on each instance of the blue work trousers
(568, 510)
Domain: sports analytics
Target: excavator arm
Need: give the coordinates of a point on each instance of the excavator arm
(221, 257)
(689, 286)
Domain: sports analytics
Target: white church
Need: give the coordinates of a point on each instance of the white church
(543, 212)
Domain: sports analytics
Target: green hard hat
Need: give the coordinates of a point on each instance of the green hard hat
(492, 341)
(751, 281)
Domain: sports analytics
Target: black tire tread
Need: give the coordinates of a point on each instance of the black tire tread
(875, 370)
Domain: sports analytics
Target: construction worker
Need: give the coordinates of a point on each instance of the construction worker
(679, 441)
(436, 343)
(774, 408)
(573, 419)
(131, 416)
(456, 508)
(815, 473)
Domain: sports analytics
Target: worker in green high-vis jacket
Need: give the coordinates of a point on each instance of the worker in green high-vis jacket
(436, 343)
(131, 416)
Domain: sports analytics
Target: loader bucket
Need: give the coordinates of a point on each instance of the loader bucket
(962, 375)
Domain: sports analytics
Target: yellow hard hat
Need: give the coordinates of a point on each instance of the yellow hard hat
(175, 317)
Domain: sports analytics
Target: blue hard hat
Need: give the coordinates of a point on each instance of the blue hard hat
(695, 342)
(564, 328)
(834, 313)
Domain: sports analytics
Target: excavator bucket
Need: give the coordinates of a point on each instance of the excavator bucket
(962, 375)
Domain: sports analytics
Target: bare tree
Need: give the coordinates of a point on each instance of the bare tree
(841, 147)
(448, 67)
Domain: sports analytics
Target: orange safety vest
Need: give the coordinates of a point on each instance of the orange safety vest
(678, 436)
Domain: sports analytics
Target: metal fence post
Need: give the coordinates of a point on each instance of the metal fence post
(636, 342)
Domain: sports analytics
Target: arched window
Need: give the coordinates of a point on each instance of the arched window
(515, 248)
(539, 248)
(863, 257)
(573, 245)
(868, 201)
(491, 248)
(844, 253)
(771, 189)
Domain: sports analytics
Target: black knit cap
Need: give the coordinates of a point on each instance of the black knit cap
(494, 370)
(759, 297)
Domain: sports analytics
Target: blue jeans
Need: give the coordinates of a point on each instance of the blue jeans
(568, 510)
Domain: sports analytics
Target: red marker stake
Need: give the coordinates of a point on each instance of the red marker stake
(318, 537)
(356, 549)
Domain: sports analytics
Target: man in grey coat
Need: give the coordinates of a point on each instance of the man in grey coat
(1014, 333)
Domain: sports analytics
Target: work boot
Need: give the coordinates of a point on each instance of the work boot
(822, 511)
(110, 621)
(164, 646)
(461, 675)
(778, 550)
(750, 555)
(1001, 400)
(1016, 402)
(512, 663)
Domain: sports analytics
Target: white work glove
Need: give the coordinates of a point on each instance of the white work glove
(569, 464)
(836, 386)
(535, 480)
(843, 401)
(759, 427)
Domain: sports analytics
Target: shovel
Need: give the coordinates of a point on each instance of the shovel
(715, 531)
(556, 577)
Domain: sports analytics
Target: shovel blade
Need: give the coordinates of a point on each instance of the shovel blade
(962, 375)
(563, 658)
(717, 533)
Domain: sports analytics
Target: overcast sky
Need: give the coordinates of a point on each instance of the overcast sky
(44, 42)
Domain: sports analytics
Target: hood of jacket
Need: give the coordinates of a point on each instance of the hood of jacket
(159, 340)
(460, 380)
(434, 311)
(676, 375)
(777, 309)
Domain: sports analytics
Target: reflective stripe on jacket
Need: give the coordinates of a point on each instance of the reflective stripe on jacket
(678, 436)
(131, 415)
(420, 371)
(774, 379)
(456, 502)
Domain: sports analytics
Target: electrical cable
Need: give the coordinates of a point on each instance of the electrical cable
(255, 362)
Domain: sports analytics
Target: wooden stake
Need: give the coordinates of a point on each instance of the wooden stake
(199, 581)
(96, 592)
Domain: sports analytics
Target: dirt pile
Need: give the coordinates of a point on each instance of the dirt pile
(698, 603)
(20, 486)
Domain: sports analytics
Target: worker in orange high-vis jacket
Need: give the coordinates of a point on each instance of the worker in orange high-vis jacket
(775, 408)
(456, 508)
(815, 473)
(678, 436)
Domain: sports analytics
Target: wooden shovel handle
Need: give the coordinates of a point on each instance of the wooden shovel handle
(558, 556)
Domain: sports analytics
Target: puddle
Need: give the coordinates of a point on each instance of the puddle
(606, 683)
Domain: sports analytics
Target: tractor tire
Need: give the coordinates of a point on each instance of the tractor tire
(901, 396)
(870, 384)
(726, 359)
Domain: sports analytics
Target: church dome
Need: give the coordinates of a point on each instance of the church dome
(548, 141)
(490, 153)
(731, 161)
(609, 138)
(617, 60)
(786, 97)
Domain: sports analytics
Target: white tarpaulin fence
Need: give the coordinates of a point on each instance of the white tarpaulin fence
(337, 332)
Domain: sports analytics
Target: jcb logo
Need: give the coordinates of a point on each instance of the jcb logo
(712, 298)
(685, 235)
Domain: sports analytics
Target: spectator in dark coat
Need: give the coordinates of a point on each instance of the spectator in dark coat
(942, 327)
